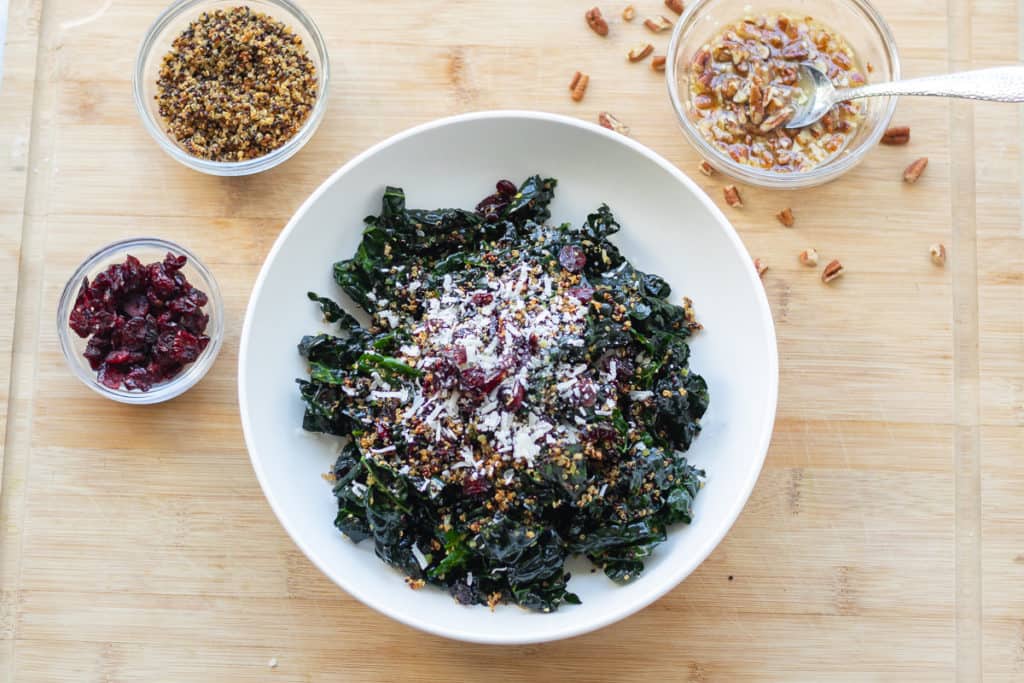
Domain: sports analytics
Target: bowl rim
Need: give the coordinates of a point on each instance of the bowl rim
(164, 391)
(230, 168)
(655, 591)
(800, 179)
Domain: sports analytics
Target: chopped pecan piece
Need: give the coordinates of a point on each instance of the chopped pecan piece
(612, 123)
(675, 5)
(658, 63)
(914, 171)
(658, 24)
(706, 168)
(640, 52)
(786, 217)
(732, 196)
(629, 13)
(897, 135)
(938, 254)
(596, 22)
(761, 267)
(578, 85)
(809, 256)
(833, 270)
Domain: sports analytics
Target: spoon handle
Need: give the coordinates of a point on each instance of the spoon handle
(1000, 84)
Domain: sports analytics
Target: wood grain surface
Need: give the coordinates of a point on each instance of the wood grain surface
(884, 541)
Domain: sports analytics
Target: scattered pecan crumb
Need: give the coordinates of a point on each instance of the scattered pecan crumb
(896, 135)
(675, 5)
(611, 122)
(809, 256)
(578, 85)
(658, 63)
(786, 217)
(732, 196)
(658, 24)
(629, 13)
(493, 599)
(706, 168)
(689, 316)
(915, 170)
(761, 267)
(938, 253)
(833, 270)
(596, 22)
(414, 584)
(870, 67)
(640, 51)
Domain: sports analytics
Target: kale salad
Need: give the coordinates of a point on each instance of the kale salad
(522, 394)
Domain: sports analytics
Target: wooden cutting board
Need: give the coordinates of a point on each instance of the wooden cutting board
(883, 541)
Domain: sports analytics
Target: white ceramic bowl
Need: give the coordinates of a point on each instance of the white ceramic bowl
(669, 227)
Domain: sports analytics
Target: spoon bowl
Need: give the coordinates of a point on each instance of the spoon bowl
(819, 96)
(998, 84)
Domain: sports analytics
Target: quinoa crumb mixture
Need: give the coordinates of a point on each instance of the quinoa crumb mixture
(744, 88)
(235, 85)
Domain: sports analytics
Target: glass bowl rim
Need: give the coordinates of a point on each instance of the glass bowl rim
(229, 168)
(163, 391)
(818, 175)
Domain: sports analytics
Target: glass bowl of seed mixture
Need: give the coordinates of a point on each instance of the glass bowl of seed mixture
(232, 88)
(733, 78)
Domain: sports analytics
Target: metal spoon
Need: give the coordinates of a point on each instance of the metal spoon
(1001, 84)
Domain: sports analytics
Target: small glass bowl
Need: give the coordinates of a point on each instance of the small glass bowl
(147, 250)
(855, 20)
(157, 43)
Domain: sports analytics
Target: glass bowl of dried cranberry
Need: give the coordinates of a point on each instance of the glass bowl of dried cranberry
(141, 321)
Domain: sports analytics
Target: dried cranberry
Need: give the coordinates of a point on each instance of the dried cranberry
(166, 321)
(110, 376)
(534, 343)
(472, 379)
(383, 431)
(174, 263)
(138, 379)
(457, 354)
(171, 371)
(80, 321)
(490, 208)
(587, 393)
(137, 333)
(186, 347)
(100, 284)
(474, 486)
(195, 323)
(115, 275)
(105, 323)
(83, 297)
(494, 380)
(585, 293)
(572, 258)
(601, 432)
(119, 357)
(506, 187)
(95, 351)
(135, 305)
(198, 298)
(163, 284)
(482, 298)
(514, 397)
